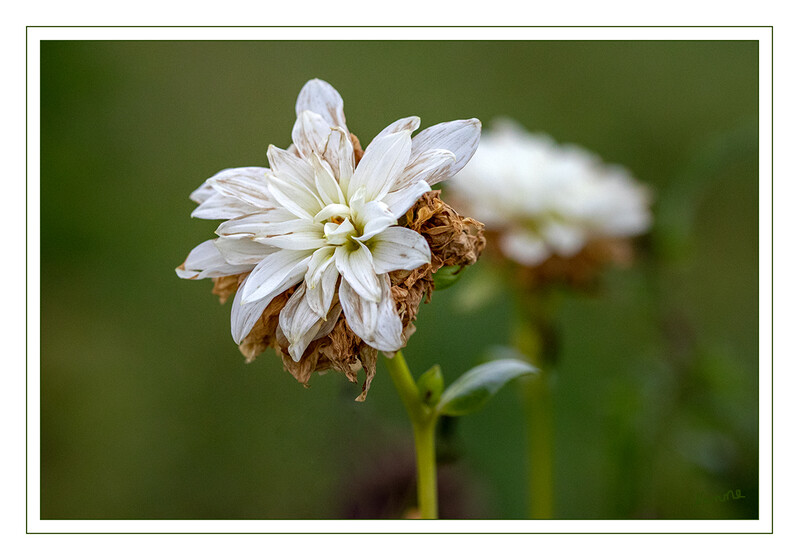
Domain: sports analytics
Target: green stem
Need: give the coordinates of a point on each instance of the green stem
(423, 421)
(538, 413)
(535, 339)
(424, 436)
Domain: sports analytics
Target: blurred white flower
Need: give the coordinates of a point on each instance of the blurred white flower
(544, 198)
(314, 217)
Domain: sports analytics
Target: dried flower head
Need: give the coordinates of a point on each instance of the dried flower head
(330, 250)
(558, 210)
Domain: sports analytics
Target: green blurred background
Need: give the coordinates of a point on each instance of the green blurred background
(148, 410)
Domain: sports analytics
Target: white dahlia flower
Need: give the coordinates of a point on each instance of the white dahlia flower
(546, 199)
(323, 221)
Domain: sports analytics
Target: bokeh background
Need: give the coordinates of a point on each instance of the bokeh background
(148, 410)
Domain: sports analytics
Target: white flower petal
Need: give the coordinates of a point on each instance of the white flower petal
(205, 261)
(400, 201)
(259, 223)
(320, 280)
(374, 217)
(321, 297)
(297, 199)
(299, 323)
(331, 210)
(290, 167)
(320, 97)
(325, 182)
(310, 133)
(398, 248)
(247, 184)
(377, 323)
(308, 236)
(221, 207)
(242, 250)
(427, 165)
(243, 316)
(459, 137)
(275, 274)
(340, 154)
(381, 165)
(320, 260)
(408, 123)
(202, 193)
(339, 234)
(356, 267)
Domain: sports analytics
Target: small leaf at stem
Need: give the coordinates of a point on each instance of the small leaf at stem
(446, 276)
(431, 385)
(473, 389)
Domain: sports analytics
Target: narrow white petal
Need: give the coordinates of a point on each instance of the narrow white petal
(399, 248)
(258, 223)
(297, 199)
(320, 281)
(356, 267)
(338, 234)
(408, 123)
(243, 316)
(377, 323)
(310, 133)
(340, 154)
(332, 210)
(290, 167)
(325, 182)
(247, 184)
(205, 261)
(381, 165)
(320, 260)
(374, 217)
(275, 274)
(427, 165)
(400, 201)
(459, 137)
(305, 238)
(299, 323)
(242, 250)
(202, 193)
(322, 98)
(221, 207)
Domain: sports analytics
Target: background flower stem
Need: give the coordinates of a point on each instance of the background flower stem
(535, 338)
(424, 422)
(538, 417)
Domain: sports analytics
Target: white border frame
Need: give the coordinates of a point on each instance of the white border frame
(761, 34)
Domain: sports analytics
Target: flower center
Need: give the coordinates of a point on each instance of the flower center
(339, 232)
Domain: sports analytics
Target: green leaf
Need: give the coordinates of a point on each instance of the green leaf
(431, 385)
(446, 276)
(473, 389)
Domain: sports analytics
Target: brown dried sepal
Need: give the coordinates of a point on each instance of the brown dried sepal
(454, 241)
(226, 286)
(356, 148)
